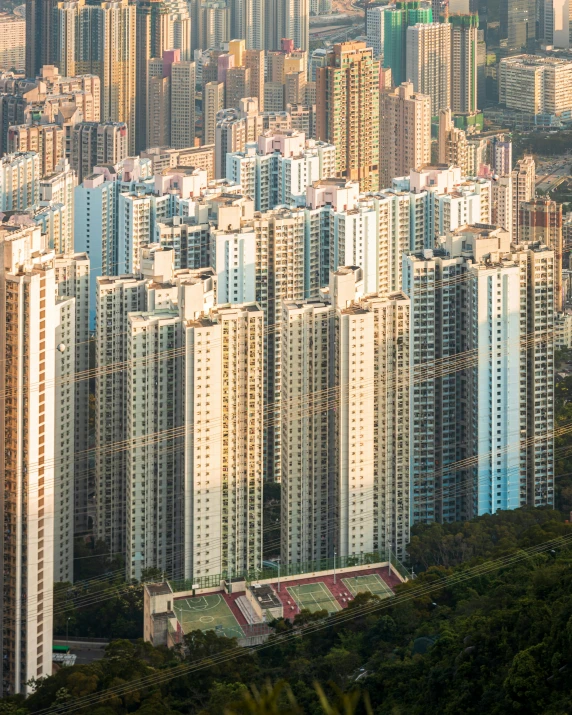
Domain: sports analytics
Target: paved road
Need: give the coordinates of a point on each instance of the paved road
(85, 652)
(550, 174)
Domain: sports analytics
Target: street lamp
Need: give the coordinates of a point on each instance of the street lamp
(68, 631)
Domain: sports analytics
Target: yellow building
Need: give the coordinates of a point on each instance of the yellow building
(347, 111)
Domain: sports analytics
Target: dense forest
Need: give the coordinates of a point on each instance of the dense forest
(486, 627)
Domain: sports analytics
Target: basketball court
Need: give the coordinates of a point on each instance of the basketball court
(314, 597)
(370, 583)
(207, 613)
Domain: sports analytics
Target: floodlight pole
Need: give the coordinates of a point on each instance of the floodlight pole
(334, 566)
(279, 576)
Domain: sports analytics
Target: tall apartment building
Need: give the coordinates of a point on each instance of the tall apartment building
(507, 475)
(434, 493)
(141, 206)
(191, 501)
(254, 61)
(501, 156)
(429, 62)
(224, 61)
(37, 452)
(189, 239)
(120, 208)
(12, 109)
(95, 224)
(295, 88)
(289, 19)
(237, 86)
(518, 23)
(154, 490)
(115, 298)
(72, 278)
(368, 346)
(170, 101)
(405, 132)
(278, 169)
(474, 427)
(497, 407)
(453, 147)
(39, 35)
(303, 118)
(58, 189)
(234, 129)
(249, 256)
(66, 37)
(97, 144)
(226, 474)
(49, 99)
(49, 91)
(318, 58)
(501, 203)
(158, 102)
(19, 181)
(46, 140)
(343, 411)
(213, 24)
(540, 221)
(237, 48)
(391, 495)
(108, 50)
(542, 279)
(555, 23)
(464, 41)
(372, 231)
(347, 111)
(247, 21)
(298, 27)
(160, 26)
(523, 189)
(286, 61)
(397, 19)
(213, 103)
(12, 42)
(183, 80)
(309, 508)
(375, 30)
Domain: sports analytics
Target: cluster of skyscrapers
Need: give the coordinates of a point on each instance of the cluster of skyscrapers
(267, 271)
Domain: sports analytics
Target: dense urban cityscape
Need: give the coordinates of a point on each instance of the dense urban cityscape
(285, 334)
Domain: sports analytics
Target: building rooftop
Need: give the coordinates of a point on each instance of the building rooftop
(265, 595)
(533, 60)
(158, 589)
(484, 229)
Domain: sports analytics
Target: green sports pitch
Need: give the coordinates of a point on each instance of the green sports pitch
(207, 613)
(314, 597)
(369, 583)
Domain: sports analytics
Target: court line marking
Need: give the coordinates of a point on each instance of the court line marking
(367, 581)
(233, 628)
(317, 587)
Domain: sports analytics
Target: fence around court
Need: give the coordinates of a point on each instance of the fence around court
(296, 569)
